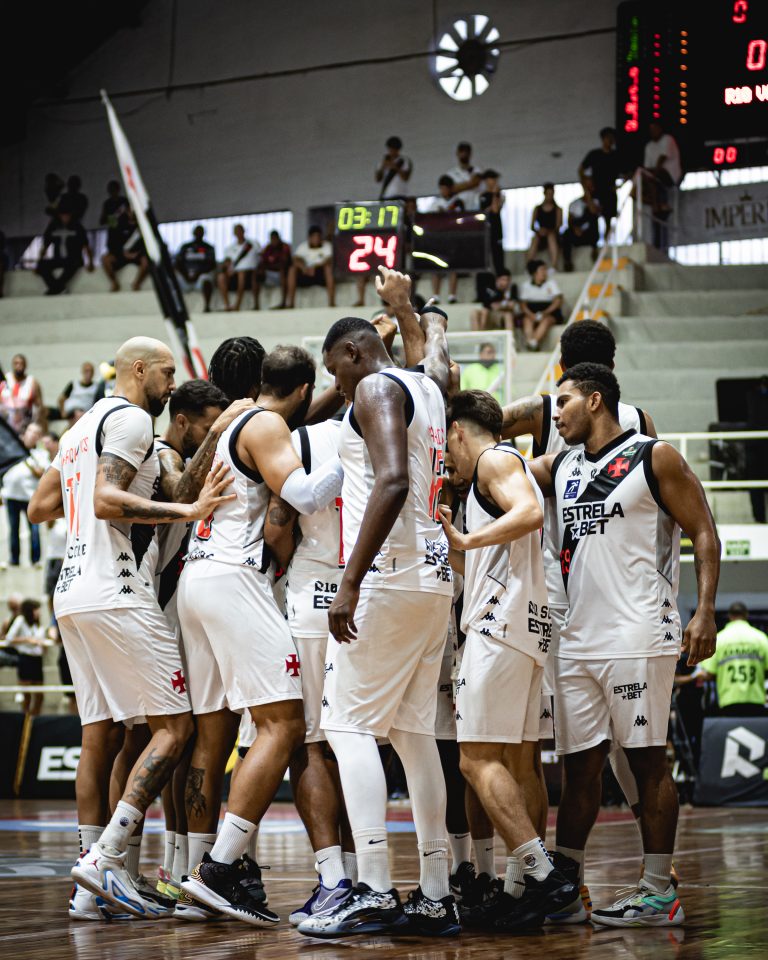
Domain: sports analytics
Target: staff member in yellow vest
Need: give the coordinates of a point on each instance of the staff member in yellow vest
(739, 664)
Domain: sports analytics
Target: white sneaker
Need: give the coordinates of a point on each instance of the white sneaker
(195, 911)
(642, 906)
(86, 906)
(103, 873)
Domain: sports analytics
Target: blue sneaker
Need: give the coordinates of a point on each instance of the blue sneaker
(322, 900)
(363, 911)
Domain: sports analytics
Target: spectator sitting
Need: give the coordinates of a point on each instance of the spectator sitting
(74, 198)
(598, 173)
(739, 665)
(195, 266)
(499, 305)
(21, 399)
(125, 246)
(272, 270)
(69, 240)
(446, 201)
(239, 261)
(486, 374)
(52, 187)
(540, 300)
(491, 202)
(546, 223)
(27, 636)
(466, 177)
(394, 171)
(80, 395)
(312, 267)
(582, 228)
(114, 208)
(19, 484)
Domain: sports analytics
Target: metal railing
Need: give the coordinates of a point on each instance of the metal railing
(682, 441)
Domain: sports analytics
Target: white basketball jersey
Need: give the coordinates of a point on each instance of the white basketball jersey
(320, 544)
(235, 532)
(415, 554)
(108, 563)
(619, 553)
(630, 418)
(173, 544)
(505, 596)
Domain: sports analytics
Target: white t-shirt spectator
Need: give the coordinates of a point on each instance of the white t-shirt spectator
(470, 198)
(665, 146)
(545, 293)
(249, 261)
(20, 483)
(397, 186)
(314, 256)
(56, 541)
(439, 204)
(20, 628)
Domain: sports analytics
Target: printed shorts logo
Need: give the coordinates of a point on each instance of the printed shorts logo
(571, 490)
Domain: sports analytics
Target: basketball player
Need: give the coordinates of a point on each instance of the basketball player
(621, 498)
(124, 660)
(238, 646)
(584, 342)
(389, 618)
(506, 620)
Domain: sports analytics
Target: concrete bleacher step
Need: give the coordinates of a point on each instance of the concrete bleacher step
(676, 303)
(692, 383)
(708, 326)
(675, 276)
(721, 355)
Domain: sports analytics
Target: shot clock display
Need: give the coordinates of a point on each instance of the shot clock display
(701, 69)
(367, 235)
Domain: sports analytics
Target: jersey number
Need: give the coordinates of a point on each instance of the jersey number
(339, 507)
(73, 504)
(438, 469)
(565, 561)
(203, 531)
(740, 672)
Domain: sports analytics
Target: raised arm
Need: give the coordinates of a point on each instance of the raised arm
(683, 497)
(380, 414)
(522, 416)
(394, 288)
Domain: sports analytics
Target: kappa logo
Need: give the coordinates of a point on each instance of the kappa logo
(546, 714)
(125, 573)
(576, 472)
(667, 603)
(668, 636)
(324, 702)
(373, 569)
(126, 589)
(571, 490)
(493, 601)
(488, 616)
(485, 632)
(641, 721)
(123, 557)
(178, 682)
(666, 619)
(459, 716)
(249, 562)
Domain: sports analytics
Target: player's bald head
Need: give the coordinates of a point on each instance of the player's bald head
(350, 330)
(146, 349)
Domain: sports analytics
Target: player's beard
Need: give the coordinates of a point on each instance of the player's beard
(299, 415)
(156, 405)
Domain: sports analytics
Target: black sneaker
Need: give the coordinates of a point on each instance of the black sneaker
(580, 910)
(364, 911)
(432, 918)
(218, 885)
(250, 880)
(485, 901)
(541, 897)
(463, 880)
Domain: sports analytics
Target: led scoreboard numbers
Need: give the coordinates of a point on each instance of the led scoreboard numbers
(368, 235)
(701, 69)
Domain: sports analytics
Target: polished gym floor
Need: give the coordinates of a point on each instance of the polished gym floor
(722, 858)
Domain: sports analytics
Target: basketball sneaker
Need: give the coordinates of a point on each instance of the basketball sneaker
(363, 911)
(483, 902)
(84, 905)
(101, 870)
(162, 881)
(149, 891)
(432, 918)
(581, 909)
(250, 880)
(322, 900)
(218, 885)
(643, 906)
(193, 910)
(540, 899)
(463, 880)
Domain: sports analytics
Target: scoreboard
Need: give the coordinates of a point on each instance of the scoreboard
(699, 68)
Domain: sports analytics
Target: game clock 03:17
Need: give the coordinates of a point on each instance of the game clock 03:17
(368, 235)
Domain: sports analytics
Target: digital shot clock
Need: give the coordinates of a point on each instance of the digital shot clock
(367, 235)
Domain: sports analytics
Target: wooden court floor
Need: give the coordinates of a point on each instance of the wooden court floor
(722, 859)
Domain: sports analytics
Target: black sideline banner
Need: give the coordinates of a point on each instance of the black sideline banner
(734, 762)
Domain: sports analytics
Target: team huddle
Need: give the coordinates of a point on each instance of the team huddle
(306, 582)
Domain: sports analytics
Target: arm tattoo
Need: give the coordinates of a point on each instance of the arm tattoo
(171, 469)
(116, 471)
(191, 481)
(154, 511)
(194, 798)
(521, 410)
(155, 772)
(280, 515)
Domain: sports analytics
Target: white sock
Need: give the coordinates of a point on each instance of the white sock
(373, 858)
(658, 870)
(433, 874)
(88, 835)
(180, 856)
(350, 866)
(514, 882)
(330, 866)
(124, 821)
(233, 838)
(577, 855)
(461, 849)
(536, 863)
(133, 856)
(253, 844)
(199, 843)
(170, 849)
(484, 859)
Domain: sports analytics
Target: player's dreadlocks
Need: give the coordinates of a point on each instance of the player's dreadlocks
(235, 367)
